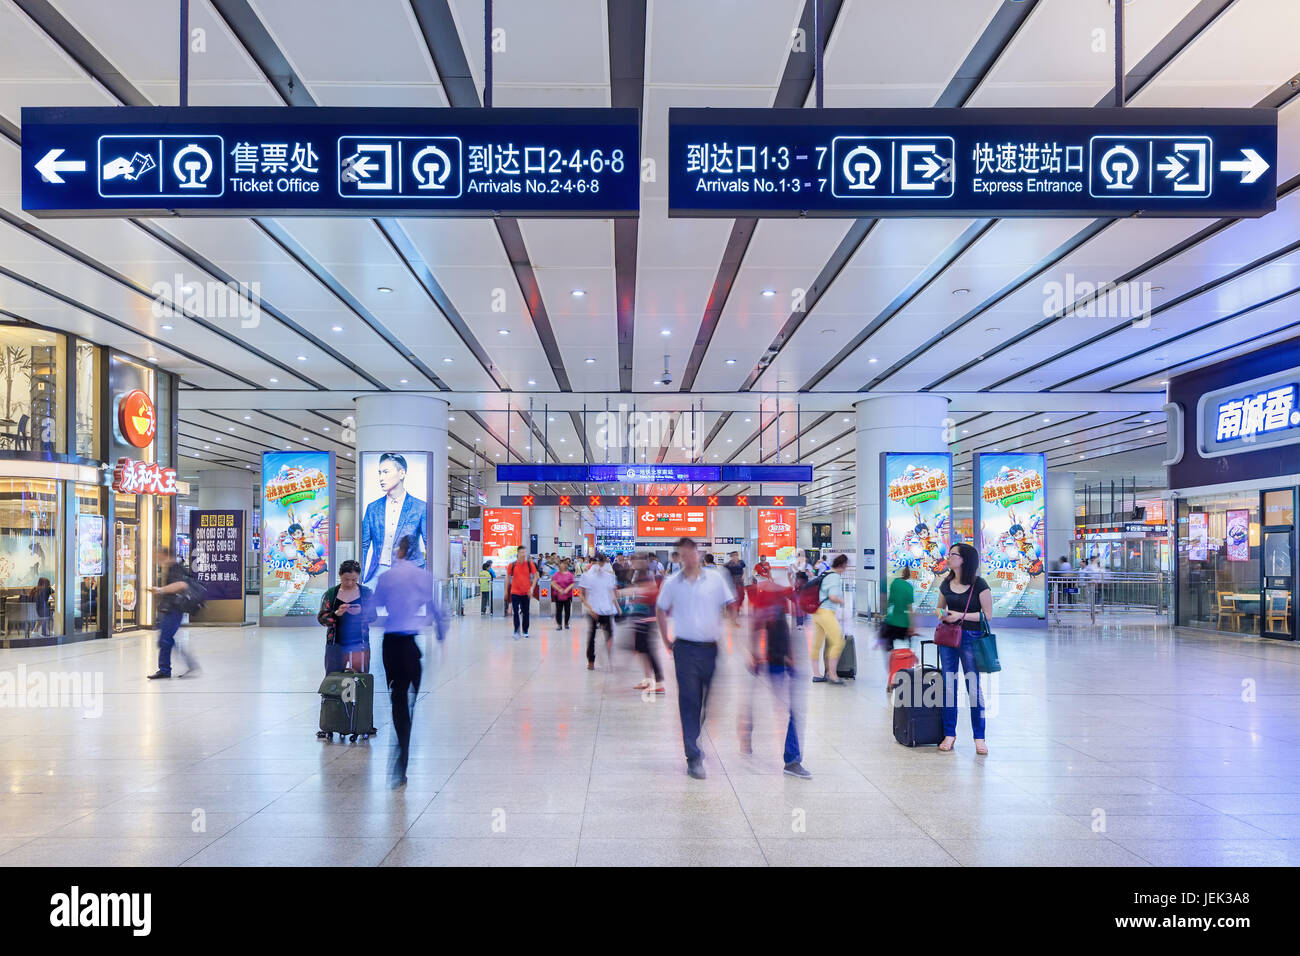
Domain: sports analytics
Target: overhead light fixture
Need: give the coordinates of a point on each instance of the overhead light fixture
(1047, 419)
(960, 291)
(153, 358)
(447, 360)
(401, 381)
(384, 289)
(325, 428)
(532, 381)
(589, 360)
(337, 328)
(579, 293)
(503, 331)
(165, 328)
(248, 418)
(451, 418)
(231, 428)
(274, 381)
(768, 293)
(993, 330)
(349, 454)
(665, 332)
(302, 358)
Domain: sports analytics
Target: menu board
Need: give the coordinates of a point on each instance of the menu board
(217, 544)
(297, 530)
(1237, 536)
(1010, 519)
(916, 521)
(1198, 536)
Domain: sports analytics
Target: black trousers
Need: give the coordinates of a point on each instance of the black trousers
(402, 667)
(519, 605)
(562, 606)
(694, 663)
(606, 623)
(643, 635)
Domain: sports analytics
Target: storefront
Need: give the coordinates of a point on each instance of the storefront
(87, 486)
(1234, 467)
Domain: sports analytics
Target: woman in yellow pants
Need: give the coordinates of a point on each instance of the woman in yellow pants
(825, 625)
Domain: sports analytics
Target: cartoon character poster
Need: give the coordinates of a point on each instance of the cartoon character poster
(917, 521)
(297, 529)
(1011, 515)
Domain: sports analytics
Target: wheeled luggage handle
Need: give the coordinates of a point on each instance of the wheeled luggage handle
(936, 654)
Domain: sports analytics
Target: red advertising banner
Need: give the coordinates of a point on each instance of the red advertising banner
(503, 531)
(776, 532)
(677, 522)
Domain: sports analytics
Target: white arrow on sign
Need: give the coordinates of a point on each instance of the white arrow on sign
(1251, 168)
(49, 166)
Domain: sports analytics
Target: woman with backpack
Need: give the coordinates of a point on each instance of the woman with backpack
(963, 597)
(825, 624)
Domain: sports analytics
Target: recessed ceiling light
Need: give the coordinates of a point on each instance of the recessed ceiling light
(218, 438)
(248, 418)
(748, 420)
(338, 328)
(302, 358)
(231, 428)
(589, 360)
(873, 360)
(768, 293)
(960, 291)
(503, 331)
(1067, 441)
(728, 441)
(1047, 419)
(478, 439)
(349, 454)
(274, 380)
(384, 289)
(665, 331)
(401, 381)
(451, 418)
(579, 293)
(965, 431)
(532, 381)
(1151, 431)
(206, 447)
(165, 328)
(562, 441)
(325, 428)
(1164, 383)
(992, 329)
(153, 358)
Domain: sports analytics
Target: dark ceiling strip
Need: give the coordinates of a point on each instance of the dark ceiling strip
(1196, 360)
(105, 317)
(443, 40)
(1163, 53)
(1163, 343)
(183, 250)
(1282, 95)
(308, 262)
(848, 246)
(512, 238)
(82, 51)
(397, 237)
(986, 52)
(791, 93)
(1159, 310)
(249, 30)
(969, 236)
(626, 21)
(576, 419)
(673, 422)
(1029, 275)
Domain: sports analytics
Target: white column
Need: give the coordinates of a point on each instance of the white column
(888, 423)
(396, 422)
(1060, 515)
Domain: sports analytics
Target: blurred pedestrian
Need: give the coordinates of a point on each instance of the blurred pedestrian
(521, 577)
(772, 661)
(171, 609)
(406, 592)
(826, 625)
(597, 586)
(639, 599)
(562, 594)
(485, 578)
(695, 600)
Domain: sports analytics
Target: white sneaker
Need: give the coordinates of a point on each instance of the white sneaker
(516, 635)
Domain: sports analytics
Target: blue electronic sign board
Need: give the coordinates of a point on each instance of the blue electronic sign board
(654, 474)
(216, 161)
(972, 162)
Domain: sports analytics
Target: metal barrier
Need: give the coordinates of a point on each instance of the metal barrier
(1071, 593)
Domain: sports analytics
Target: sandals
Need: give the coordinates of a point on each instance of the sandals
(981, 748)
(951, 746)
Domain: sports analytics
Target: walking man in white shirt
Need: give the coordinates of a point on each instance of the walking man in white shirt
(695, 601)
(597, 586)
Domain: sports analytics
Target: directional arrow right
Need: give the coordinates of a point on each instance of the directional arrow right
(1251, 168)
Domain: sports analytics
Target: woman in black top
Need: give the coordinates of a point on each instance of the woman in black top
(962, 596)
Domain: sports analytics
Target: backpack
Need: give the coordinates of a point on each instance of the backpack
(810, 594)
(195, 595)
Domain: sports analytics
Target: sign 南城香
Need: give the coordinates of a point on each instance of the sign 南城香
(1250, 416)
(251, 161)
(972, 162)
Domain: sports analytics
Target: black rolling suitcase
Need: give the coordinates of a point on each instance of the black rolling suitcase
(916, 697)
(347, 704)
(846, 667)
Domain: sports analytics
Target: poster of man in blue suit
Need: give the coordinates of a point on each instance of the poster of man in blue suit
(394, 513)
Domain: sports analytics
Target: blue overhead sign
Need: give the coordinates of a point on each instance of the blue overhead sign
(654, 474)
(972, 162)
(217, 161)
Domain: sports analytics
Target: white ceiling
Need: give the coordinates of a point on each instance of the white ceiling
(316, 275)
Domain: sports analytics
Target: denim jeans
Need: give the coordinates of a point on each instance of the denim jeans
(948, 660)
(694, 663)
(788, 693)
(168, 623)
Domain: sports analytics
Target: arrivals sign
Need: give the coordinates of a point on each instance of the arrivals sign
(1011, 518)
(915, 521)
(261, 161)
(972, 162)
(776, 533)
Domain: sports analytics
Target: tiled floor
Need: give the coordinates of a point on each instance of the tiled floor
(1110, 746)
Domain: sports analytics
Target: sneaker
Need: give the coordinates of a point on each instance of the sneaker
(659, 689)
(516, 635)
(525, 637)
(397, 783)
(796, 769)
(159, 675)
(695, 770)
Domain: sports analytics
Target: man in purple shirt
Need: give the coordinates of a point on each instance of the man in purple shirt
(405, 591)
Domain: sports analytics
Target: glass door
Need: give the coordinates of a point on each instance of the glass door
(1277, 567)
(126, 596)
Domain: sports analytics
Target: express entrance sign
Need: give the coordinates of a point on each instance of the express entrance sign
(210, 161)
(972, 162)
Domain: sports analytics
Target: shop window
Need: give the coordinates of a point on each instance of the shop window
(31, 557)
(32, 390)
(91, 556)
(1219, 552)
(87, 439)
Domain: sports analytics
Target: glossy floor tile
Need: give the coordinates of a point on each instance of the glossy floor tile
(1113, 745)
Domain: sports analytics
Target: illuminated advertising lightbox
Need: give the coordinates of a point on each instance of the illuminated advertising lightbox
(1237, 536)
(1198, 536)
(681, 522)
(297, 528)
(1011, 529)
(916, 521)
(90, 545)
(776, 533)
(395, 505)
(503, 530)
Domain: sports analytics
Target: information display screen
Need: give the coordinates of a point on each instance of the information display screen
(653, 474)
(972, 162)
(258, 161)
(916, 523)
(298, 531)
(1011, 524)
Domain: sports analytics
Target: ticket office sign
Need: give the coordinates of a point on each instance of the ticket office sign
(972, 162)
(255, 161)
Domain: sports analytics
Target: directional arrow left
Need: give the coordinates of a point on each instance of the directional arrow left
(49, 166)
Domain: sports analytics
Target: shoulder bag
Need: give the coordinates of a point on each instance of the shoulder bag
(948, 634)
(986, 649)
